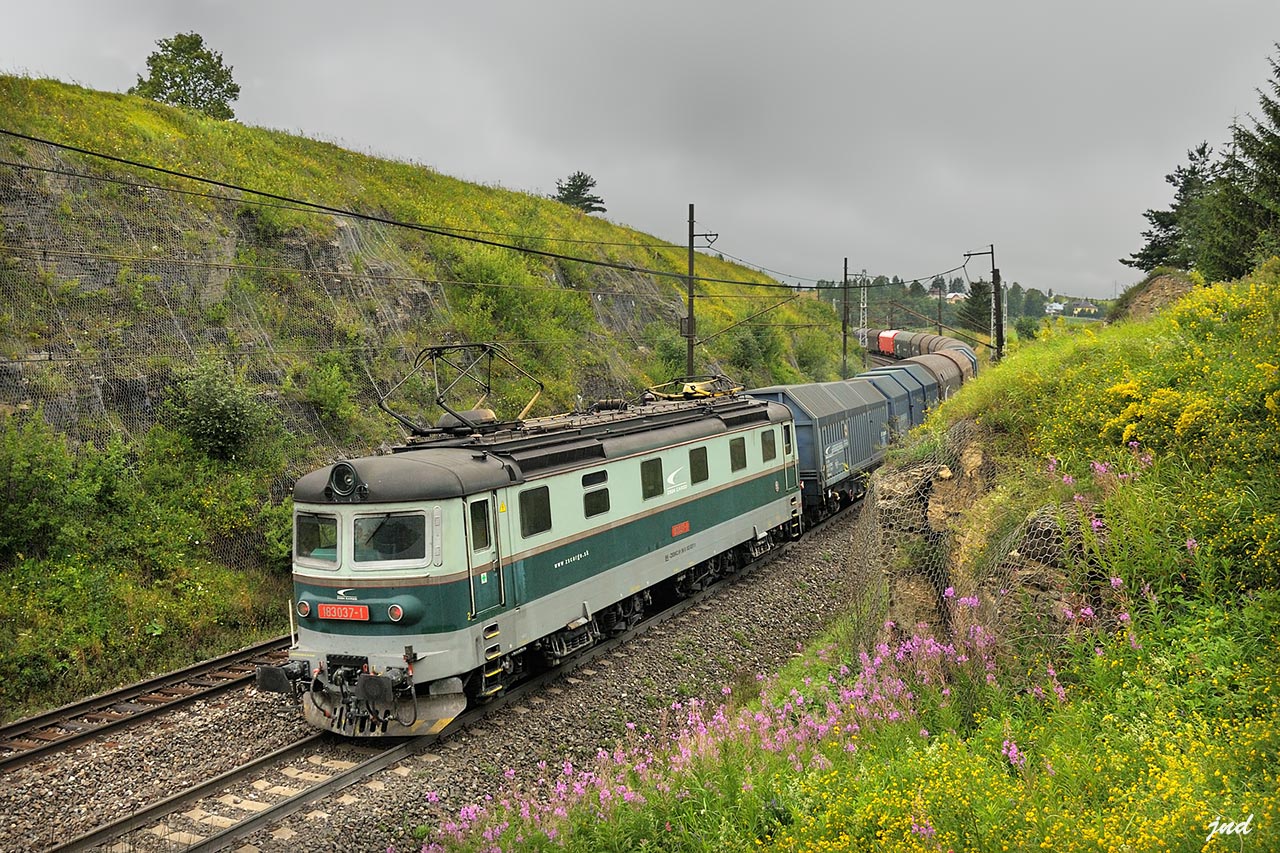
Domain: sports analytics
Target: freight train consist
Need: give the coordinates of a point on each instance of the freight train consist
(437, 575)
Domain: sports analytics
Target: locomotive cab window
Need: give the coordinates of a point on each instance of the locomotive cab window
(651, 478)
(738, 454)
(786, 439)
(698, 465)
(391, 536)
(535, 511)
(480, 525)
(768, 448)
(316, 538)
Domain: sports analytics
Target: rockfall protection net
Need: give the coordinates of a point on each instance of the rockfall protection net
(935, 559)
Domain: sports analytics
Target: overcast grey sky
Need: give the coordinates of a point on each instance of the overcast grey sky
(898, 134)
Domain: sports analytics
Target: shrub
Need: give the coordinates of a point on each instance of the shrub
(35, 465)
(218, 411)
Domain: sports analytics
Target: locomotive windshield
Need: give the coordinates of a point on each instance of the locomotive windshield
(390, 537)
(316, 538)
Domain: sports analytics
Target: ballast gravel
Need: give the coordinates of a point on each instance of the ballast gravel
(751, 626)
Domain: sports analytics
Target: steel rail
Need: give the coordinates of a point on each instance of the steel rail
(155, 811)
(29, 738)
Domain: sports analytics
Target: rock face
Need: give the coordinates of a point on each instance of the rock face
(1160, 292)
(931, 534)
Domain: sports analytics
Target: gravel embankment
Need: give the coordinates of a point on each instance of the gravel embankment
(752, 626)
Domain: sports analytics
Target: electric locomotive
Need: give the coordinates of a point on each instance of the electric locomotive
(437, 574)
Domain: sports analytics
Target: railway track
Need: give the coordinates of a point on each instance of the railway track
(263, 793)
(62, 728)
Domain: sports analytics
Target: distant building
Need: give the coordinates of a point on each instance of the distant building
(1082, 309)
(1054, 308)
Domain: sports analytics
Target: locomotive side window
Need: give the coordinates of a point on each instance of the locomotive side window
(768, 449)
(698, 465)
(535, 511)
(595, 502)
(316, 538)
(379, 538)
(786, 439)
(738, 454)
(651, 478)
(480, 525)
(595, 478)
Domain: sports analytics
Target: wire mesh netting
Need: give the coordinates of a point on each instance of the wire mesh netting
(972, 588)
(114, 286)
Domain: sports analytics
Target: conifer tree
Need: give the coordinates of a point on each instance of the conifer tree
(575, 191)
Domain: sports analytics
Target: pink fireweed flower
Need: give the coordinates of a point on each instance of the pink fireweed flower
(1124, 616)
(949, 592)
(1053, 464)
(1068, 480)
(1116, 583)
(1010, 751)
(1192, 546)
(1096, 524)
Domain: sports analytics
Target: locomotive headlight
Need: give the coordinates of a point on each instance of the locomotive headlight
(395, 612)
(343, 480)
(304, 608)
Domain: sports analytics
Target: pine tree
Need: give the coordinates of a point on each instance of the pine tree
(1258, 148)
(975, 312)
(575, 191)
(1167, 239)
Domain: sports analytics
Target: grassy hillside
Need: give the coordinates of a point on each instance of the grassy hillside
(1100, 672)
(173, 353)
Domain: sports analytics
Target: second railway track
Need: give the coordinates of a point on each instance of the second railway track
(62, 728)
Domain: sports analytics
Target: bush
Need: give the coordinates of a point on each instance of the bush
(35, 466)
(218, 411)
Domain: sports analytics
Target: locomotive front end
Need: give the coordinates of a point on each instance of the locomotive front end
(380, 596)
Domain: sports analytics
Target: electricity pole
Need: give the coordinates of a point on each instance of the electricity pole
(689, 329)
(997, 301)
(844, 324)
(862, 320)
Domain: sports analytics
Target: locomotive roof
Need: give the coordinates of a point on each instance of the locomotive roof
(446, 466)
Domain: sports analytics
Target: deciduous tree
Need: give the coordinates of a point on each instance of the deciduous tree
(185, 73)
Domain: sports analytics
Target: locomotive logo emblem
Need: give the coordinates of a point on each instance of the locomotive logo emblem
(345, 594)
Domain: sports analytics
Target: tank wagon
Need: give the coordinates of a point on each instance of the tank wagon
(440, 573)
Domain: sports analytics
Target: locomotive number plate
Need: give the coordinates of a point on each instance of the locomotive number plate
(344, 611)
